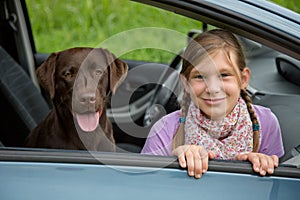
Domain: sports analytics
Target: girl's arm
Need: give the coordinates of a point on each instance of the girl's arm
(159, 140)
(271, 147)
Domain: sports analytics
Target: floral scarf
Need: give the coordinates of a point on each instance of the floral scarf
(227, 137)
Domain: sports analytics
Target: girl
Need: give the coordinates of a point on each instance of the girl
(217, 119)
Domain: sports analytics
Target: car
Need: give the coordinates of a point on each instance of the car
(151, 89)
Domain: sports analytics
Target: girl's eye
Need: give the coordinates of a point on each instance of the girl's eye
(199, 77)
(224, 75)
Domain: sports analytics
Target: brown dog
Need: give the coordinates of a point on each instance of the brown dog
(78, 81)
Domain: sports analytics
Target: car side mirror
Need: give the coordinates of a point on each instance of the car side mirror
(289, 68)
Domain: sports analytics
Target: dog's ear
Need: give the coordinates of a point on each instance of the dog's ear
(45, 74)
(118, 70)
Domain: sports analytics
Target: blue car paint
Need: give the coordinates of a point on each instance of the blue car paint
(45, 181)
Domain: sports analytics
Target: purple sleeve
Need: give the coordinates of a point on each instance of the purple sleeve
(271, 140)
(159, 140)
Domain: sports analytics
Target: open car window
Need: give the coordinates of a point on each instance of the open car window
(150, 90)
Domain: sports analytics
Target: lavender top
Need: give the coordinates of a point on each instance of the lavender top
(159, 141)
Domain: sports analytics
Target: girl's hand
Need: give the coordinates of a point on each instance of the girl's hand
(261, 163)
(194, 157)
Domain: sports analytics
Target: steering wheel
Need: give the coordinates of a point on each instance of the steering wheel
(165, 95)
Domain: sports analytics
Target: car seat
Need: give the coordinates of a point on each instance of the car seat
(22, 105)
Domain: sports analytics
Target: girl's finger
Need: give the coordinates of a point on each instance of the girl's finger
(180, 153)
(204, 159)
(270, 169)
(198, 165)
(211, 155)
(181, 160)
(276, 160)
(264, 164)
(254, 159)
(190, 162)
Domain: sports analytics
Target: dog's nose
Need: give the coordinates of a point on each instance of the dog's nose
(88, 98)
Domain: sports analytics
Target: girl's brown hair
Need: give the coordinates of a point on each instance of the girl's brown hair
(203, 45)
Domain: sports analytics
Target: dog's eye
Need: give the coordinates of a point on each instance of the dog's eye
(98, 72)
(68, 75)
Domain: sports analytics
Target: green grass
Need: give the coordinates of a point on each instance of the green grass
(92, 23)
(290, 4)
(61, 24)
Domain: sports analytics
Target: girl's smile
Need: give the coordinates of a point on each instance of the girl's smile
(214, 101)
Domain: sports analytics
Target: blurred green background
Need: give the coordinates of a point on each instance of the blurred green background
(63, 24)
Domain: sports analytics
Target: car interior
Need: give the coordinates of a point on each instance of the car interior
(273, 84)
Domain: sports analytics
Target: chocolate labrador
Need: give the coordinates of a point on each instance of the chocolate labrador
(79, 81)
